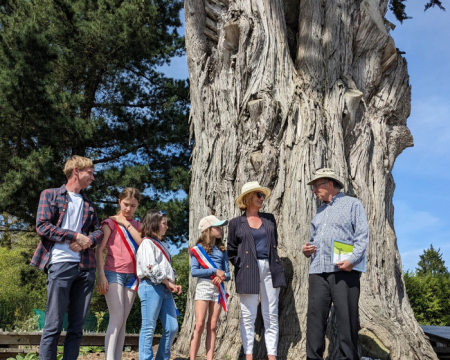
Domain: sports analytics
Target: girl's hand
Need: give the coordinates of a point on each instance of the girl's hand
(120, 219)
(221, 274)
(179, 289)
(102, 284)
(171, 286)
(217, 280)
(175, 289)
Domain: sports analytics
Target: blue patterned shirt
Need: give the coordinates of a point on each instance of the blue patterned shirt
(343, 218)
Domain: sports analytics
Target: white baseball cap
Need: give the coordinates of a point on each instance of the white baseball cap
(209, 221)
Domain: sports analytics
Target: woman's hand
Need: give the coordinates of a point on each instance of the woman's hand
(120, 219)
(217, 280)
(102, 284)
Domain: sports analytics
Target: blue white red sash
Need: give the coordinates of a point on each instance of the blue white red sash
(166, 254)
(132, 247)
(163, 249)
(206, 263)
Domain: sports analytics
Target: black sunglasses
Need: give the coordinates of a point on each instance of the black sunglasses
(260, 195)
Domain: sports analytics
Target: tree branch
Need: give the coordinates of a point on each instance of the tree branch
(106, 105)
(116, 156)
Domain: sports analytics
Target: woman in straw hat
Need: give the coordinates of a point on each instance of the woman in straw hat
(252, 249)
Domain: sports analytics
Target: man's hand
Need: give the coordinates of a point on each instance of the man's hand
(74, 246)
(344, 265)
(308, 250)
(83, 241)
(221, 274)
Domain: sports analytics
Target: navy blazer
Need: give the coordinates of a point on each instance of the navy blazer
(241, 251)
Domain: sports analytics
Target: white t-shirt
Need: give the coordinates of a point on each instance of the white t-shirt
(73, 220)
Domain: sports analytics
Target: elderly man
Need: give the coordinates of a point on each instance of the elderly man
(69, 229)
(339, 218)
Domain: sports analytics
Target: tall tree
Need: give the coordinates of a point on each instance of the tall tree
(431, 263)
(81, 77)
(279, 89)
(428, 296)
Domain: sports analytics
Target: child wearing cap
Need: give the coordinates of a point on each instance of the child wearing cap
(209, 263)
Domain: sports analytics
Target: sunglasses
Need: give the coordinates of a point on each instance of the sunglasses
(161, 213)
(260, 195)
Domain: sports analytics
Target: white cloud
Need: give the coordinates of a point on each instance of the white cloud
(416, 229)
(410, 221)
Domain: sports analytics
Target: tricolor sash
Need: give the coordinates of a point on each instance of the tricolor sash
(206, 263)
(166, 254)
(161, 247)
(132, 247)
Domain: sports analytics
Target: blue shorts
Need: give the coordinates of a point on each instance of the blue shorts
(119, 278)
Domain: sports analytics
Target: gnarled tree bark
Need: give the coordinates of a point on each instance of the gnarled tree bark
(279, 89)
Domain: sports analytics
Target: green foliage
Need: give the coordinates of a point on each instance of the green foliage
(28, 325)
(398, 8)
(29, 356)
(99, 315)
(81, 77)
(429, 297)
(431, 263)
(84, 350)
(181, 265)
(428, 289)
(18, 298)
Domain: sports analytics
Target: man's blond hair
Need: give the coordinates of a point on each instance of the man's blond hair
(76, 161)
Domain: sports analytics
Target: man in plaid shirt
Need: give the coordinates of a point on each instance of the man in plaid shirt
(69, 230)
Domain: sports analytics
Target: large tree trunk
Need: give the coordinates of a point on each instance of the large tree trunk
(278, 90)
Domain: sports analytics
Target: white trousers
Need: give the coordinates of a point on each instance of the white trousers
(269, 309)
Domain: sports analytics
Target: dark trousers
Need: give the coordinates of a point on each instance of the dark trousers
(68, 288)
(341, 288)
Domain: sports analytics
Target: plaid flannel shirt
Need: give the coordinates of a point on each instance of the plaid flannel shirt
(52, 208)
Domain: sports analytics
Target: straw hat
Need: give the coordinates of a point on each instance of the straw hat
(210, 221)
(249, 187)
(326, 173)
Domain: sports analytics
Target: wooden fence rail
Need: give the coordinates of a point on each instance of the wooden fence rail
(10, 341)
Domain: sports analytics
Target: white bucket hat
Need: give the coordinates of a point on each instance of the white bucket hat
(326, 173)
(210, 221)
(249, 187)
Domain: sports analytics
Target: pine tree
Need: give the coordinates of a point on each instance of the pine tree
(431, 263)
(81, 77)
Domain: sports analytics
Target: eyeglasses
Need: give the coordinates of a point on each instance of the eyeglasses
(161, 213)
(317, 185)
(260, 195)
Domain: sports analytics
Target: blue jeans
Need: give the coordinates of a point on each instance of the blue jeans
(156, 301)
(68, 288)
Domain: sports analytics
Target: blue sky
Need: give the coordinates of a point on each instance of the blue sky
(421, 173)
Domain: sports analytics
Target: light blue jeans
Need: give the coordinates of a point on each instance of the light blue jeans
(156, 301)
